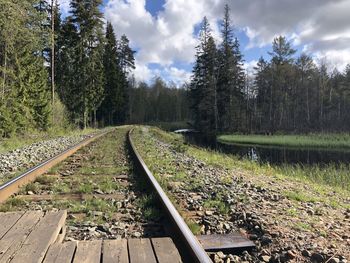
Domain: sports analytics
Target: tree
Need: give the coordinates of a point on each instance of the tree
(23, 76)
(83, 58)
(112, 72)
(230, 78)
(203, 88)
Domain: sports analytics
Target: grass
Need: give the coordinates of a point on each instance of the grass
(194, 227)
(326, 184)
(217, 204)
(307, 141)
(12, 204)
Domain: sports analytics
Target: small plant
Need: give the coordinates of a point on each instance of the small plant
(12, 204)
(301, 226)
(45, 179)
(85, 188)
(219, 205)
(31, 187)
(194, 227)
(151, 213)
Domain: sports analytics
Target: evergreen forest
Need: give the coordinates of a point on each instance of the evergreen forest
(80, 67)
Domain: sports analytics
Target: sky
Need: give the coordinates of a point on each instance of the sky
(165, 32)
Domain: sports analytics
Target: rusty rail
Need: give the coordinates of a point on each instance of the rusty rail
(9, 188)
(192, 244)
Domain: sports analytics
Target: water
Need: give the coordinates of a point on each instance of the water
(275, 155)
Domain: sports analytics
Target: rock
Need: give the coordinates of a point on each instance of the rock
(98, 191)
(306, 253)
(316, 257)
(291, 254)
(30, 193)
(265, 258)
(97, 213)
(221, 255)
(136, 234)
(266, 239)
(209, 213)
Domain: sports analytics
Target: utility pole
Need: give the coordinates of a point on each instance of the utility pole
(53, 56)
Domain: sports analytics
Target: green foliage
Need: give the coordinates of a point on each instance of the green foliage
(24, 98)
(311, 140)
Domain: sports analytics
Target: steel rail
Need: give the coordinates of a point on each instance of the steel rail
(195, 249)
(12, 186)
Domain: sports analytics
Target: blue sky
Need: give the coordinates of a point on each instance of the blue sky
(164, 32)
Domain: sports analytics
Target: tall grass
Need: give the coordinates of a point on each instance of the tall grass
(312, 140)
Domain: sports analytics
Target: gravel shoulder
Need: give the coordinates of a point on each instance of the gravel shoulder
(290, 220)
(18, 160)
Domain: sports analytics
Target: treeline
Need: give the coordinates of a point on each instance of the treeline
(293, 94)
(24, 89)
(92, 67)
(286, 93)
(41, 56)
(158, 102)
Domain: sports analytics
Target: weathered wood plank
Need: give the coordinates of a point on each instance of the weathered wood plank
(8, 220)
(39, 240)
(141, 251)
(166, 250)
(17, 235)
(115, 251)
(52, 253)
(88, 252)
(67, 252)
(77, 197)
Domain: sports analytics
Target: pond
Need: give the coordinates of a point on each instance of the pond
(274, 154)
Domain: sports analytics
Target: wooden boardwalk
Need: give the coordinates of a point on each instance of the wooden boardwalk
(35, 237)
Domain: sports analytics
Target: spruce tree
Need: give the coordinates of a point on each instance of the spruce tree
(112, 73)
(230, 77)
(84, 60)
(203, 88)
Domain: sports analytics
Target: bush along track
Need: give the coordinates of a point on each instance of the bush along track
(288, 219)
(97, 186)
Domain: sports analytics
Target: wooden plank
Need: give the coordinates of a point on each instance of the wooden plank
(8, 220)
(115, 251)
(16, 236)
(220, 242)
(166, 250)
(67, 252)
(88, 252)
(77, 197)
(39, 240)
(141, 251)
(52, 253)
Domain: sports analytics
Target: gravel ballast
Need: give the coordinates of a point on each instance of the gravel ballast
(221, 200)
(26, 157)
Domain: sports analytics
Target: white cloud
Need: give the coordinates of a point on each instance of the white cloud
(249, 66)
(64, 6)
(323, 26)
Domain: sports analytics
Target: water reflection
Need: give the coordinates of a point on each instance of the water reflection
(275, 155)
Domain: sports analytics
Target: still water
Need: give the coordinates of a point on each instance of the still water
(275, 155)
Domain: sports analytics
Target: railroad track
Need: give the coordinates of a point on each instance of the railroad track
(189, 245)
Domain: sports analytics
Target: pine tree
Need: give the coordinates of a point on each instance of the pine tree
(83, 59)
(127, 65)
(23, 76)
(203, 88)
(112, 73)
(230, 77)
